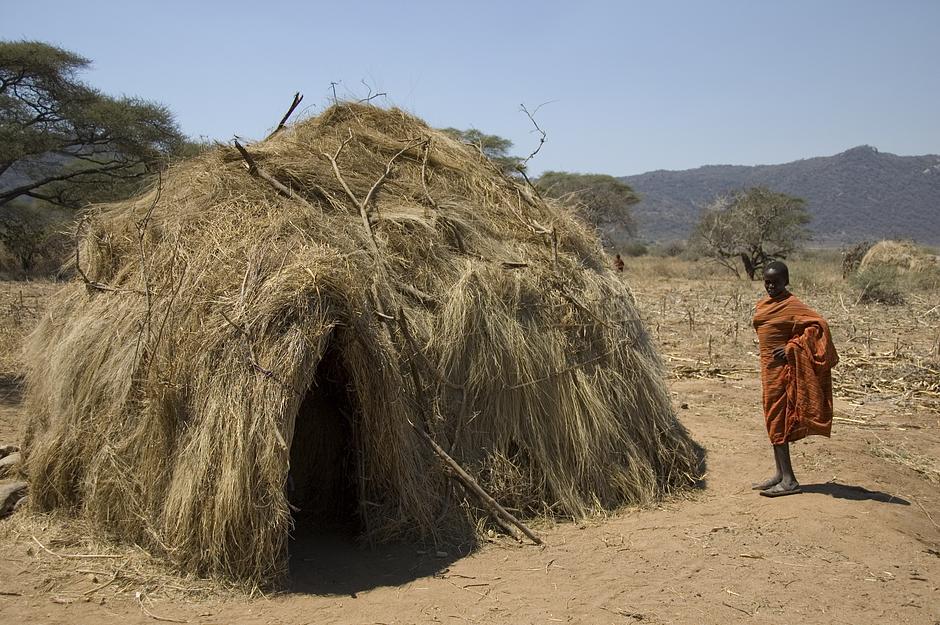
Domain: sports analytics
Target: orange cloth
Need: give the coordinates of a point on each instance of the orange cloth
(797, 393)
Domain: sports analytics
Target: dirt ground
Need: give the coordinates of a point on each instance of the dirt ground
(860, 545)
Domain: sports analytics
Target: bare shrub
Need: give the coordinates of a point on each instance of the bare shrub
(880, 283)
(635, 248)
(852, 257)
(669, 249)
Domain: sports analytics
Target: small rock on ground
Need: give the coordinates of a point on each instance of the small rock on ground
(21, 503)
(8, 464)
(10, 494)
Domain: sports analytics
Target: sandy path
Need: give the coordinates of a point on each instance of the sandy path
(857, 547)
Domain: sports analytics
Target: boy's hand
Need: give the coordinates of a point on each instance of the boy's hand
(780, 353)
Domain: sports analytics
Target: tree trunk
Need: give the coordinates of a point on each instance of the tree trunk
(26, 261)
(749, 266)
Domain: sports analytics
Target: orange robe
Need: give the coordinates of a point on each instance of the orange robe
(797, 393)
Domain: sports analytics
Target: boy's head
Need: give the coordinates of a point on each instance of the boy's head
(776, 278)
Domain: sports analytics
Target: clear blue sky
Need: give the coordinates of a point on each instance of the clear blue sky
(632, 86)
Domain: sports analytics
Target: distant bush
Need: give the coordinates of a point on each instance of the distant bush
(879, 283)
(635, 248)
(925, 280)
(33, 239)
(852, 257)
(669, 249)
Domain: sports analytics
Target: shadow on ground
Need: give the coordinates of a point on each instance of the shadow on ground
(336, 564)
(855, 493)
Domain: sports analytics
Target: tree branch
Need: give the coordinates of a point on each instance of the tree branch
(424, 174)
(339, 175)
(25, 189)
(297, 98)
(541, 132)
(388, 170)
(370, 96)
(255, 170)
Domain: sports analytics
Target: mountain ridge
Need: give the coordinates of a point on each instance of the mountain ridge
(860, 193)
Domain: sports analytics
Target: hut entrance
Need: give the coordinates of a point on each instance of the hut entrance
(323, 486)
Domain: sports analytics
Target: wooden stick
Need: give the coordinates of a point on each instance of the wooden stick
(139, 597)
(297, 98)
(255, 170)
(425, 298)
(929, 518)
(339, 175)
(363, 211)
(424, 173)
(74, 555)
(467, 481)
(406, 333)
(102, 586)
(502, 517)
(542, 137)
(388, 170)
(555, 247)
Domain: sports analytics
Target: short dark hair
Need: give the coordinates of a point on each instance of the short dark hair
(778, 267)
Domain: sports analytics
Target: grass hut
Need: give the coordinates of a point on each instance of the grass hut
(902, 255)
(257, 344)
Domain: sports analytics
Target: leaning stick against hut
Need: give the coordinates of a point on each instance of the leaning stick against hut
(499, 513)
(283, 123)
(256, 170)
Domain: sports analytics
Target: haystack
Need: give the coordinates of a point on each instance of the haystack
(902, 255)
(255, 350)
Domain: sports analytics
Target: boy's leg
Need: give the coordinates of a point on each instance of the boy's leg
(773, 480)
(787, 484)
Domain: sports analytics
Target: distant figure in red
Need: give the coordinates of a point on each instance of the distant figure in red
(618, 263)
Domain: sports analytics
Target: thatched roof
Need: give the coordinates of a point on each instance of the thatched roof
(239, 327)
(903, 255)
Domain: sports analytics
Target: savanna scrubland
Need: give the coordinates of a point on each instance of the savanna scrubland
(861, 544)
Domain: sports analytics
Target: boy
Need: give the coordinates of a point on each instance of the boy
(796, 356)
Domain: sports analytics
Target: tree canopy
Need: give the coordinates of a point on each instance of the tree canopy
(493, 146)
(605, 201)
(66, 143)
(754, 226)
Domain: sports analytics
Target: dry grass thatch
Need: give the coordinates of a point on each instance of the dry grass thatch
(902, 255)
(240, 346)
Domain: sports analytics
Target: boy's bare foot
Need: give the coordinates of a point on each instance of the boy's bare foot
(767, 483)
(783, 488)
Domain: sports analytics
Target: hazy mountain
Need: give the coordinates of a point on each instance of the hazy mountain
(858, 194)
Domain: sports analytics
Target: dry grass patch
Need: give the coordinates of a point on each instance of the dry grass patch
(21, 304)
(926, 466)
(75, 567)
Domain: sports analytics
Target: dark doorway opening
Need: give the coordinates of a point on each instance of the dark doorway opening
(322, 486)
(326, 554)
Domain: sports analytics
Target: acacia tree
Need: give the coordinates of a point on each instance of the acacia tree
(605, 201)
(496, 148)
(66, 143)
(754, 226)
